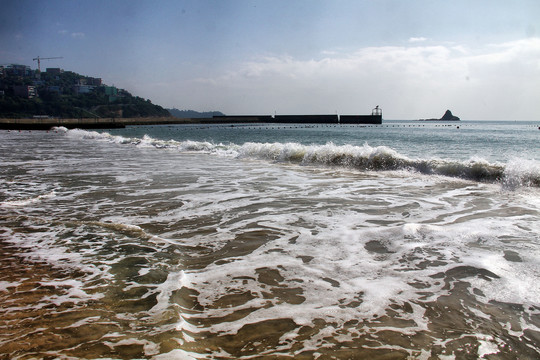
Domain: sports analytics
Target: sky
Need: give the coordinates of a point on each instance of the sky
(415, 58)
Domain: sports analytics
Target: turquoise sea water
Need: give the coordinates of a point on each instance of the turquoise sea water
(491, 140)
(402, 240)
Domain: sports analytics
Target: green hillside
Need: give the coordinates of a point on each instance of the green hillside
(26, 93)
(192, 114)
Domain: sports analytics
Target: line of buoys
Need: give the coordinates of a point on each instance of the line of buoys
(262, 127)
(239, 126)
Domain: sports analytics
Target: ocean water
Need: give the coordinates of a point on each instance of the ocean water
(407, 240)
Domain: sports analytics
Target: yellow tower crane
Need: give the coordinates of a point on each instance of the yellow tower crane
(39, 60)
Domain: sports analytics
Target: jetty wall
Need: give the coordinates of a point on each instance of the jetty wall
(239, 119)
(306, 119)
(109, 123)
(303, 119)
(360, 119)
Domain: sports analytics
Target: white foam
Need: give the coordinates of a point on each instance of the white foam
(75, 292)
(353, 242)
(6, 285)
(28, 201)
(380, 278)
(85, 321)
(522, 172)
(144, 271)
(149, 348)
(488, 345)
(180, 354)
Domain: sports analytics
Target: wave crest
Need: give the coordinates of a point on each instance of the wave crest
(370, 158)
(516, 173)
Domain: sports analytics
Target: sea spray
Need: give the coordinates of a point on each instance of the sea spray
(522, 172)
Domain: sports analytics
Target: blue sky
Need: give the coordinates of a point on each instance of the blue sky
(415, 58)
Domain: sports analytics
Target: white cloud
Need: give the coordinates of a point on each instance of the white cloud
(329, 52)
(497, 82)
(417, 39)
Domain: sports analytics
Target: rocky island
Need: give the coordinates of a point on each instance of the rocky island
(446, 117)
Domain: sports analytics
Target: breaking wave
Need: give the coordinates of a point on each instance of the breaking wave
(515, 173)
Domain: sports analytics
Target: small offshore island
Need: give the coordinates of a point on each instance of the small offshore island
(446, 117)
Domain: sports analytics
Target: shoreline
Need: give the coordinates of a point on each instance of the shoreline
(91, 123)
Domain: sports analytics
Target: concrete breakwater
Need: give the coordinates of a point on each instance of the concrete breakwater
(86, 123)
(305, 119)
(107, 123)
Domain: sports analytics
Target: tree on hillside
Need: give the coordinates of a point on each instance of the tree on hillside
(57, 97)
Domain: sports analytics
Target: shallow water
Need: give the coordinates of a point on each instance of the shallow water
(130, 246)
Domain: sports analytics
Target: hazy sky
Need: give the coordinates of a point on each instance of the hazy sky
(414, 58)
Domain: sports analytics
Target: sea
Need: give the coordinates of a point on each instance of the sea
(405, 240)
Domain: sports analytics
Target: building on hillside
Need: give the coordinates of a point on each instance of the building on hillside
(83, 89)
(111, 92)
(25, 91)
(93, 81)
(18, 70)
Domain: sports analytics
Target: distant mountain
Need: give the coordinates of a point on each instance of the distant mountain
(26, 93)
(187, 114)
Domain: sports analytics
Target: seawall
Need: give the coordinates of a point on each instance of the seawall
(100, 123)
(360, 119)
(304, 119)
(108, 123)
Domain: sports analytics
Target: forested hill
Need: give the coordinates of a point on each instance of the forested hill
(192, 114)
(65, 94)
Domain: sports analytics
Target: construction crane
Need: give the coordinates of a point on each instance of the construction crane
(39, 60)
